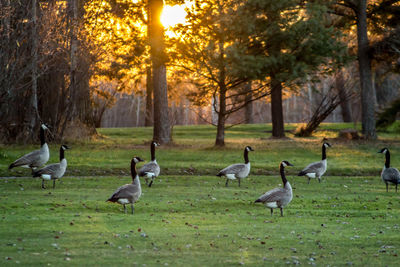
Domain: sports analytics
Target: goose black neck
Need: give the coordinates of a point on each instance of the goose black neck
(153, 151)
(133, 170)
(323, 152)
(61, 154)
(42, 137)
(246, 156)
(283, 176)
(387, 161)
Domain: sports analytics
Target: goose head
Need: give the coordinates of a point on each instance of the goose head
(326, 144)
(249, 148)
(384, 150)
(137, 159)
(65, 147)
(44, 126)
(286, 163)
(154, 143)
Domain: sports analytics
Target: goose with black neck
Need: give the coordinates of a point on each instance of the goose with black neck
(389, 174)
(237, 171)
(129, 193)
(278, 197)
(37, 158)
(53, 171)
(151, 170)
(316, 169)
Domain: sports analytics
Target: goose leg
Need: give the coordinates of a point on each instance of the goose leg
(272, 212)
(54, 183)
(132, 208)
(239, 181)
(309, 180)
(281, 212)
(387, 189)
(43, 187)
(319, 179)
(124, 209)
(226, 183)
(151, 182)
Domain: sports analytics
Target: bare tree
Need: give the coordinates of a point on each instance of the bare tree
(326, 106)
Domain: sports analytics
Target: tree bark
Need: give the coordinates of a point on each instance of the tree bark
(364, 65)
(278, 129)
(220, 139)
(249, 106)
(344, 101)
(162, 129)
(149, 99)
(33, 113)
(73, 55)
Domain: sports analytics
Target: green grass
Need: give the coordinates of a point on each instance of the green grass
(196, 221)
(193, 151)
(189, 217)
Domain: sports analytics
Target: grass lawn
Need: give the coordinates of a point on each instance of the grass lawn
(197, 221)
(189, 217)
(193, 151)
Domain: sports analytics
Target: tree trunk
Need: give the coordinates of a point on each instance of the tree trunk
(220, 139)
(33, 113)
(364, 65)
(73, 55)
(161, 130)
(249, 106)
(149, 99)
(278, 130)
(344, 101)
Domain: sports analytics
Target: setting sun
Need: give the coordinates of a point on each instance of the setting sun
(173, 15)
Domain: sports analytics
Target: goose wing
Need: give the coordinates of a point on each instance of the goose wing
(51, 169)
(391, 175)
(27, 159)
(125, 191)
(314, 167)
(272, 195)
(232, 169)
(149, 167)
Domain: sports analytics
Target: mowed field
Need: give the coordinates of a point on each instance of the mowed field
(188, 216)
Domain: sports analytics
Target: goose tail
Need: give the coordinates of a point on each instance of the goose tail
(302, 173)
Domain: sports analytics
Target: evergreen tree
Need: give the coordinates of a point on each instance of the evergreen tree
(297, 41)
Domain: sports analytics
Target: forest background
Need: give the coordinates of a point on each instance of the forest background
(80, 65)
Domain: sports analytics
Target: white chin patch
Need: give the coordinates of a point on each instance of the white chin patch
(231, 176)
(272, 205)
(311, 175)
(284, 164)
(46, 176)
(150, 174)
(123, 201)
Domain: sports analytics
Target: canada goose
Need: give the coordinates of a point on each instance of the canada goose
(35, 158)
(316, 169)
(150, 169)
(129, 193)
(53, 171)
(278, 197)
(239, 170)
(389, 175)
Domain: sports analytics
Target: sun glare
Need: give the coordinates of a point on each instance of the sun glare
(173, 15)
